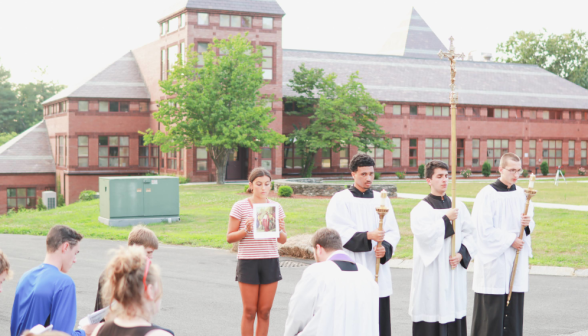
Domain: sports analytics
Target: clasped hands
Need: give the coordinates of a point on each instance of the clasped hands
(378, 236)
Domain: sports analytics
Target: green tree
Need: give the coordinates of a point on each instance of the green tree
(544, 168)
(5, 137)
(338, 115)
(565, 55)
(422, 171)
(218, 105)
(486, 169)
(8, 102)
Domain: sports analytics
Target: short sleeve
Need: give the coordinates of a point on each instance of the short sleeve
(236, 211)
(281, 213)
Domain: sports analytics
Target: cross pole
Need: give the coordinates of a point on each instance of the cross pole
(452, 56)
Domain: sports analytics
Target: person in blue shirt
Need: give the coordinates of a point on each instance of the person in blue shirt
(46, 295)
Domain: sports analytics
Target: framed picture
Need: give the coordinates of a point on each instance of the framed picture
(265, 221)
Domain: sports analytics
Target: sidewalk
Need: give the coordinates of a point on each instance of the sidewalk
(537, 205)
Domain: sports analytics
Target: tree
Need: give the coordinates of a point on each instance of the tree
(564, 55)
(218, 105)
(544, 168)
(338, 115)
(5, 137)
(486, 169)
(7, 102)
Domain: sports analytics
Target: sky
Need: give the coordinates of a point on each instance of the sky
(75, 39)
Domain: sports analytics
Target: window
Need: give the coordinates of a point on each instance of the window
(532, 153)
(266, 158)
(103, 106)
(173, 24)
(82, 106)
(461, 111)
(436, 149)
(124, 107)
(267, 63)
(460, 152)
(545, 115)
(476, 112)
(344, 157)
(148, 154)
(61, 151)
(412, 152)
(571, 152)
(201, 159)
(326, 158)
(183, 20)
(82, 151)
(475, 152)
(377, 154)
(202, 47)
(172, 57)
(113, 151)
(396, 109)
(143, 107)
(583, 152)
(172, 160)
(533, 115)
(203, 19)
(413, 110)
(163, 65)
(268, 23)
(235, 21)
(555, 115)
(396, 152)
(183, 52)
(21, 198)
(519, 148)
(113, 107)
(292, 157)
(437, 111)
(181, 159)
(162, 26)
(495, 149)
(552, 152)
(501, 113)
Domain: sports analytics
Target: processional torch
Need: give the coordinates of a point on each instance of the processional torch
(452, 56)
(382, 210)
(529, 192)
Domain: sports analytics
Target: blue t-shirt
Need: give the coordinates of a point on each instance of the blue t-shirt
(45, 296)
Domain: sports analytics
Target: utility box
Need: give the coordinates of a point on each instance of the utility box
(49, 199)
(133, 200)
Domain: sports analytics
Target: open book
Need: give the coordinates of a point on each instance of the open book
(39, 329)
(95, 317)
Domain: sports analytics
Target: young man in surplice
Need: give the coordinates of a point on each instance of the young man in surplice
(438, 296)
(498, 217)
(352, 212)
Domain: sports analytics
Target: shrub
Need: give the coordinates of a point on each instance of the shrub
(272, 185)
(377, 175)
(87, 195)
(525, 173)
(40, 205)
(60, 200)
(246, 187)
(401, 175)
(285, 191)
(150, 174)
(183, 179)
(422, 171)
(582, 171)
(544, 168)
(466, 173)
(486, 169)
(563, 172)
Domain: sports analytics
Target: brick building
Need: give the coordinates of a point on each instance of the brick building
(91, 130)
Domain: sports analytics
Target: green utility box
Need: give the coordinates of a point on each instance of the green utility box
(132, 200)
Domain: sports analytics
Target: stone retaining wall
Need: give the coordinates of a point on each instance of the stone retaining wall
(316, 187)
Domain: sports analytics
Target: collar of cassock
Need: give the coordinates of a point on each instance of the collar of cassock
(356, 193)
(499, 186)
(438, 202)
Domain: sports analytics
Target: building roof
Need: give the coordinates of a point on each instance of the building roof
(248, 6)
(121, 79)
(28, 152)
(404, 79)
(413, 38)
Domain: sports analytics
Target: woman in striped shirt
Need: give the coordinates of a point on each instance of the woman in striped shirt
(258, 266)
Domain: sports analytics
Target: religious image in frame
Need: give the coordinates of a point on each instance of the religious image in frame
(265, 221)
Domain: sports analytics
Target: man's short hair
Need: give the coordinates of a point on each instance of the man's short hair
(432, 165)
(361, 160)
(508, 156)
(60, 234)
(141, 235)
(328, 238)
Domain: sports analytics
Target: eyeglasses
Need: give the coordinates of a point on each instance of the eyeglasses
(514, 171)
(147, 265)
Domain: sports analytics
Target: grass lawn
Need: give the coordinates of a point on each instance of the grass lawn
(560, 239)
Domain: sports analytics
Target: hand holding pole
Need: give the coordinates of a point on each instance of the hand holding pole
(382, 210)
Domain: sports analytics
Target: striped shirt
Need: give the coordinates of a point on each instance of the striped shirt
(250, 248)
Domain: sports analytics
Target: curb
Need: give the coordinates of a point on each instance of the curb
(534, 270)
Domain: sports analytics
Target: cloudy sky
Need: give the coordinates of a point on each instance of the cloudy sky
(74, 39)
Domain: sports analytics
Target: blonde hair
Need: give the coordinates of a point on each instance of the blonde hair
(508, 156)
(5, 265)
(255, 173)
(141, 235)
(123, 281)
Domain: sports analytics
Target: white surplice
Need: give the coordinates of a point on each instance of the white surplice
(438, 293)
(497, 218)
(348, 215)
(330, 302)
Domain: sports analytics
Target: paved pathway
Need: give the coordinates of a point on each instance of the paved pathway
(201, 297)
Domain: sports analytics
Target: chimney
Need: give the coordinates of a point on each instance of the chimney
(487, 57)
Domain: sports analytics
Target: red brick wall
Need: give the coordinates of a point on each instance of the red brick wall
(38, 181)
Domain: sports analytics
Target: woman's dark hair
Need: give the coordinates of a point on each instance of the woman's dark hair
(255, 173)
(431, 166)
(361, 160)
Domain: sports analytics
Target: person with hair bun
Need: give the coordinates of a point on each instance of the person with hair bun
(258, 266)
(135, 284)
(5, 272)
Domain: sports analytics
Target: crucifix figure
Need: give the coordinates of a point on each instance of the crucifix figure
(452, 56)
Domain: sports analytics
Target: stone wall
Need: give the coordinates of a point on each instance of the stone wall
(316, 187)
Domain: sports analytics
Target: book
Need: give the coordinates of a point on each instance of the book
(39, 329)
(95, 317)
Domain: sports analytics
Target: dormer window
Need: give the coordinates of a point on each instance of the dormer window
(235, 21)
(163, 28)
(268, 23)
(173, 24)
(183, 20)
(203, 19)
